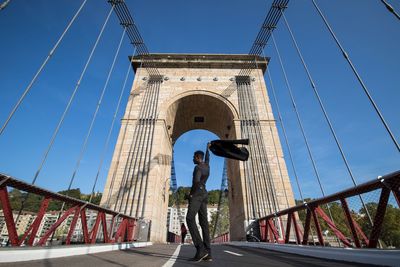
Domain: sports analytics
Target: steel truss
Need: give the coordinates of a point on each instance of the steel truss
(121, 229)
(388, 183)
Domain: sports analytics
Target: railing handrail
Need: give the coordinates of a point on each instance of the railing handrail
(6, 180)
(360, 189)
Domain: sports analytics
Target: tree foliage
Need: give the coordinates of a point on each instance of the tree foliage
(32, 202)
(221, 222)
(390, 232)
(177, 198)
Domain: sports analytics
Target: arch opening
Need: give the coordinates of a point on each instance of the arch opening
(211, 112)
(201, 111)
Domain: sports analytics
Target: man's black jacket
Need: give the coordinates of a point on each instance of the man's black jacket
(228, 149)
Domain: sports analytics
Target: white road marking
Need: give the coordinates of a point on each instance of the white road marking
(233, 253)
(173, 258)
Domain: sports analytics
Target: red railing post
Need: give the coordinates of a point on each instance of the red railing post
(36, 223)
(318, 227)
(84, 226)
(131, 230)
(273, 230)
(360, 231)
(288, 226)
(378, 220)
(350, 221)
(263, 231)
(104, 226)
(72, 226)
(8, 216)
(333, 227)
(111, 228)
(55, 225)
(296, 228)
(307, 227)
(282, 229)
(121, 230)
(93, 232)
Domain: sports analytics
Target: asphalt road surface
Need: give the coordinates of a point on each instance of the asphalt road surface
(167, 255)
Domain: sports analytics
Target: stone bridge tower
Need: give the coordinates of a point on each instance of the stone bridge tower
(220, 93)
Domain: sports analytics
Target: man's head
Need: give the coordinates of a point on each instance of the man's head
(198, 157)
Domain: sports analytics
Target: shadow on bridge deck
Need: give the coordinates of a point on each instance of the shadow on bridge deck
(158, 255)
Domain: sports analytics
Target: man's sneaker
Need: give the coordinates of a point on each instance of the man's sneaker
(199, 256)
(208, 258)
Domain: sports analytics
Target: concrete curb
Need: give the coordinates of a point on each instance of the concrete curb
(367, 256)
(40, 253)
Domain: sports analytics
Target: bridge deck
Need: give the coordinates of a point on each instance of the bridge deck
(158, 255)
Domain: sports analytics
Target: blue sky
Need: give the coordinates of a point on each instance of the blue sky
(370, 34)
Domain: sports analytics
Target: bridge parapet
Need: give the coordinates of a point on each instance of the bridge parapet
(116, 227)
(351, 228)
(221, 238)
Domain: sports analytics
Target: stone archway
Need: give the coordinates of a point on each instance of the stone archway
(197, 110)
(196, 92)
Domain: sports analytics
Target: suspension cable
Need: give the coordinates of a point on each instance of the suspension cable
(111, 128)
(147, 124)
(287, 141)
(51, 53)
(285, 136)
(263, 151)
(64, 114)
(391, 9)
(242, 90)
(298, 115)
(153, 121)
(248, 185)
(300, 124)
(273, 139)
(132, 148)
(137, 135)
(123, 180)
(84, 145)
(137, 152)
(4, 4)
(346, 56)
(97, 109)
(315, 90)
(70, 100)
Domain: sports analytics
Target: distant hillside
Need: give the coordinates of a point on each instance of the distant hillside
(32, 202)
(178, 198)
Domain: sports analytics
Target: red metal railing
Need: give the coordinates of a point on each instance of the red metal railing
(119, 227)
(221, 239)
(270, 224)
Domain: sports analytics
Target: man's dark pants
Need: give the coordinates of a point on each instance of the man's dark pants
(198, 204)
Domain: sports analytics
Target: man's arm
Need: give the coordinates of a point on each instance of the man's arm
(207, 157)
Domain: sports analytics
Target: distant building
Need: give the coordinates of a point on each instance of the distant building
(26, 219)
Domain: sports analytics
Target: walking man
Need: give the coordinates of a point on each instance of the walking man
(198, 200)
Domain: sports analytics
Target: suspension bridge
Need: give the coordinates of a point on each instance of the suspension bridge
(281, 207)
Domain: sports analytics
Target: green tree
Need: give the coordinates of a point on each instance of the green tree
(222, 225)
(213, 197)
(390, 232)
(32, 201)
(178, 197)
(56, 205)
